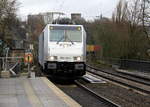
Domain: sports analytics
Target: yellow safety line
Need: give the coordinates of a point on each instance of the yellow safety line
(69, 101)
(34, 100)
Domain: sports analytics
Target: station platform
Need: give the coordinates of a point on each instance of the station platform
(32, 92)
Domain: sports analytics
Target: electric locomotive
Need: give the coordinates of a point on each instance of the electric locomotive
(62, 51)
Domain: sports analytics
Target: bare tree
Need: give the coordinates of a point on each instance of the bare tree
(133, 15)
(137, 12)
(8, 10)
(145, 6)
(35, 26)
(121, 12)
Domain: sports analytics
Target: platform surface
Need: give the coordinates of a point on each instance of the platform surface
(37, 92)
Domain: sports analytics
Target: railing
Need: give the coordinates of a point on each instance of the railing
(140, 65)
(12, 64)
(135, 64)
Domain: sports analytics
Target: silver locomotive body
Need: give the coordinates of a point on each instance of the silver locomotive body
(62, 50)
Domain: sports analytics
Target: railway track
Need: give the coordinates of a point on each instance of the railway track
(135, 82)
(145, 78)
(132, 77)
(101, 98)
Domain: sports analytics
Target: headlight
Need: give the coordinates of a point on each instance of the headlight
(78, 58)
(52, 58)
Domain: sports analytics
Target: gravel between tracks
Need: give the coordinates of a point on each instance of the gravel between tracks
(81, 96)
(119, 95)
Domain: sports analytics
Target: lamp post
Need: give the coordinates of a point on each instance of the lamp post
(148, 51)
(7, 50)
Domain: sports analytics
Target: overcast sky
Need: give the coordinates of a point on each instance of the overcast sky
(89, 8)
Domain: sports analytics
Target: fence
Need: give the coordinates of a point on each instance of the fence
(12, 64)
(133, 64)
(139, 65)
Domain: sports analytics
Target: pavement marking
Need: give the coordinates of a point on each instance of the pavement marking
(69, 101)
(34, 100)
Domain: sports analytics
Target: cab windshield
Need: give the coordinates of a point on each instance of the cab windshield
(65, 34)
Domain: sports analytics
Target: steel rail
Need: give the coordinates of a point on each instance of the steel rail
(133, 78)
(101, 98)
(120, 82)
(136, 76)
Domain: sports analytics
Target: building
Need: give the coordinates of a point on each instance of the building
(50, 16)
(75, 16)
(47, 17)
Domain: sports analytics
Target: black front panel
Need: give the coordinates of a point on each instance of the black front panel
(65, 68)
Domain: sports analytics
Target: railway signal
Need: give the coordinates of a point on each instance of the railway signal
(28, 58)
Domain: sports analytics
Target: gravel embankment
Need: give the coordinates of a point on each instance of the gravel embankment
(119, 95)
(81, 96)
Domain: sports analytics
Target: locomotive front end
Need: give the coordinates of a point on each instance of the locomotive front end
(66, 51)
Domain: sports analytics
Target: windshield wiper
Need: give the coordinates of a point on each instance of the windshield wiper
(70, 40)
(66, 37)
(60, 39)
